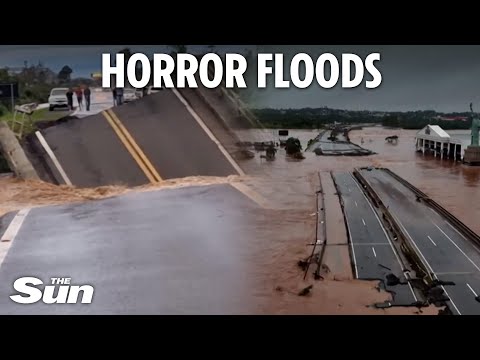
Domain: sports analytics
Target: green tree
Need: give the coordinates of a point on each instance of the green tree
(65, 73)
(178, 48)
(127, 52)
(4, 77)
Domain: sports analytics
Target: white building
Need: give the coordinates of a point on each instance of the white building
(432, 138)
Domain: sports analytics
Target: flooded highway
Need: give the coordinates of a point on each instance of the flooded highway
(453, 185)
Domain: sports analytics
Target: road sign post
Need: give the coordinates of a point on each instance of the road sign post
(9, 90)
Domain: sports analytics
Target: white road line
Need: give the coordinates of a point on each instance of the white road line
(432, 210)
(386, 235)
(379, 221)
(351, 244)
(455, 273)
(364, 222)
(433, 242)
(425, 260)
(473, 291)
(251, 194)
(11, 232)
(458, 232)
(373, 244)
(453, 242)
(374, 253)
(463, 237)
(451, 300)
(209, 133)
(356, 204)
(52, 156)
(414, 243)
(427, 264)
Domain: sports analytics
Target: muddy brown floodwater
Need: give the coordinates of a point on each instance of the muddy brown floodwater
(290, 185)
(286, 224)
(452, 184)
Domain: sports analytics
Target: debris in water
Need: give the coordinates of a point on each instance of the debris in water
(317, 276)
(442, 282)
(325, 268)
(384, 305)
(392, 280)
(385, 267)
(306, 291)
(436, 296)
(303, 264)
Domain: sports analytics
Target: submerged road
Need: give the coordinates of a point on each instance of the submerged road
(173, 251)
(444, 251)
(338, 147)
(373, 254)
(151, 139)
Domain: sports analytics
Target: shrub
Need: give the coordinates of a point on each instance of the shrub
(3, 109)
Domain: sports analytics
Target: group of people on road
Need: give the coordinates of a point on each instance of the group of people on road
(80, 92)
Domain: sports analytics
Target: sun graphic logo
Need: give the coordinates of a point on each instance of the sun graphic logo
(31, 290)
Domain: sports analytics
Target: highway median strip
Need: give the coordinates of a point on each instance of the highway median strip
(132, 147)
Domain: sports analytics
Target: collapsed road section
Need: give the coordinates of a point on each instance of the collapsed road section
(161, 136)
(447, 249)
(398, 233)
(373, 254)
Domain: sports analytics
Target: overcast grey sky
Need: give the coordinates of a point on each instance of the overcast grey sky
(420, 77)
(442, 78)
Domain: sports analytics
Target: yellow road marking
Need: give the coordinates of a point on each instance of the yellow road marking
(139, 151)
(123, 138)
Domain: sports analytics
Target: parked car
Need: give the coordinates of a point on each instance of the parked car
(57, 98)
(129, 95)
(139, 93)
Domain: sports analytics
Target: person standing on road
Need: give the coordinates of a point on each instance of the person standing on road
(79, 94)
(70, 99)
(119, 96)
(86, 93)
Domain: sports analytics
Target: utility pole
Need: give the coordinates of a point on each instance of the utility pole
(13, 98)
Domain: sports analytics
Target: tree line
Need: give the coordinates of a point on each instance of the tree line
(317, 118)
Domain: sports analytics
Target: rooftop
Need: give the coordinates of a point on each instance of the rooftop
(433, 131)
